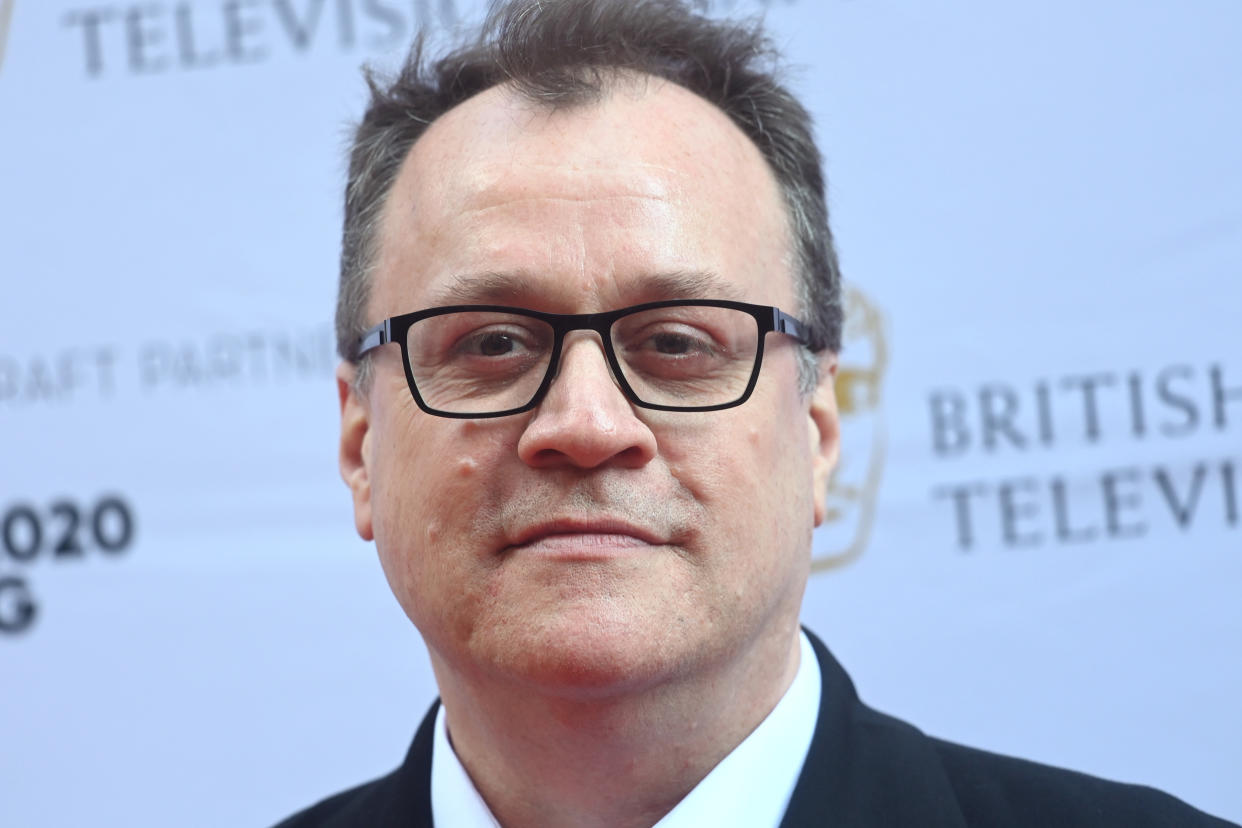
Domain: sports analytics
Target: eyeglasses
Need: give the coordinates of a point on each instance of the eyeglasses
(474, 361)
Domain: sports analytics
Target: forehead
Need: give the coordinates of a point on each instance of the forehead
(587, 205)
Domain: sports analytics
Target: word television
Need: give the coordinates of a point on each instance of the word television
(155, 38)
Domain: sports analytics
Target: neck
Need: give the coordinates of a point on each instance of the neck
(551, 757)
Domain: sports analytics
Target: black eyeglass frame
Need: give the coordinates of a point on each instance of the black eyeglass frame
(768, 319)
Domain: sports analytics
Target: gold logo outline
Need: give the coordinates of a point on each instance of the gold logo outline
(859, 388)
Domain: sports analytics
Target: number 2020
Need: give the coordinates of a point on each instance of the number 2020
(109, 524)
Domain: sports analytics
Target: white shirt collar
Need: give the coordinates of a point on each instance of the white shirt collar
(455, 801)
(750, 787)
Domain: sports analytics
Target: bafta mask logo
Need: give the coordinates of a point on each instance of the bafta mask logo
(6, 15)
(856, 480)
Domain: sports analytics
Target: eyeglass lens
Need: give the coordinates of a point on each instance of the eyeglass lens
(477, 362)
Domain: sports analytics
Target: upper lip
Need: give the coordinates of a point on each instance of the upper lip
(585, 526)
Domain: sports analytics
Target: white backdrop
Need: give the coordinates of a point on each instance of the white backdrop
(1039, 206)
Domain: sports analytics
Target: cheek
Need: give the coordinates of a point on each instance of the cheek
(452, 491)
(722, 466)
(427, 466)
(433, 483)
(751, 475)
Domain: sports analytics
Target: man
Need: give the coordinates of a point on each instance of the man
(589, 315)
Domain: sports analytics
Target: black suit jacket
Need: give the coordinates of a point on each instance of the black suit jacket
(864, 770)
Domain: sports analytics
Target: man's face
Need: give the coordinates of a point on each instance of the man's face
(587, 545)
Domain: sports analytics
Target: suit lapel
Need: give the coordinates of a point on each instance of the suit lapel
(407, 803)
(865, 769)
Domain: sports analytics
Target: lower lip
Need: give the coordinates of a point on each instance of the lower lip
(584, 545)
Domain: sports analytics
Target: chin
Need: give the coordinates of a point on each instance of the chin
(592, 652)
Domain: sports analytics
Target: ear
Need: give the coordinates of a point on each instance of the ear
(355, 452)
(825, 433)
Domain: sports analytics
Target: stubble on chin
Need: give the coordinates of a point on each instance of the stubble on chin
(588, 628)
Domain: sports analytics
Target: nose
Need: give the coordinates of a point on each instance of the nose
(584, 420)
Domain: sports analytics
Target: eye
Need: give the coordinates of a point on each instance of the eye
(672, 340)
(676, 343)
(493, 343)
(499, 340)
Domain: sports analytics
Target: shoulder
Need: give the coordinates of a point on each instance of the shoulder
(402, 798)
(1000, 790)
(366, 804)
(866, 768)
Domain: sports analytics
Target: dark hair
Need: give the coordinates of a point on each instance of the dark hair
(563, 54)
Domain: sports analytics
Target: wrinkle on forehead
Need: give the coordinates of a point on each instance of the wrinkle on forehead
(502, 201)
(495, 185)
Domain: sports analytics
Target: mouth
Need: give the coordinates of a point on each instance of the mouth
(585, 539)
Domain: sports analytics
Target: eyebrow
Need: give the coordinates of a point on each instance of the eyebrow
(521, 287)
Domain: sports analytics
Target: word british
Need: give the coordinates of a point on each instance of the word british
(1175, 401)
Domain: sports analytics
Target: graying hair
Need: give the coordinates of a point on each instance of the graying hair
(563, 54)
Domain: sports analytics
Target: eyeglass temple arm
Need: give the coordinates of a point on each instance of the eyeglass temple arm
(786, 324)
(381, 334)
